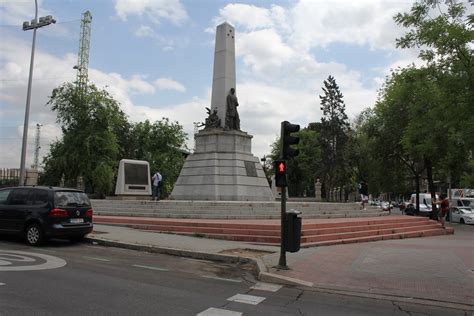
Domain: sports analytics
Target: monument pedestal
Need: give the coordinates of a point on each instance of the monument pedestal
(222, 168)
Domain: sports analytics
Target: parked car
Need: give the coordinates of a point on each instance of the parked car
(386, 206)
(463, 215)
(38, 213)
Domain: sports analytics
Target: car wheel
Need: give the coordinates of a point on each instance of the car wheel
(34, 235)
(462, 221)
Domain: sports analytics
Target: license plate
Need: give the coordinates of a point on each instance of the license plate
(77, 220)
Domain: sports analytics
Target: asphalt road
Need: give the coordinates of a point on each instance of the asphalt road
(82, 279)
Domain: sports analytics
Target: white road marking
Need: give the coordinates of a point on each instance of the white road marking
(96, 258)
(9, 257)
(2, 284)
(221, 279)
(150, 267)
(270, 287)
(218, 312)
(246, 299)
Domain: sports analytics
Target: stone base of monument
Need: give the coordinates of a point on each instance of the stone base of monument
(222, 168)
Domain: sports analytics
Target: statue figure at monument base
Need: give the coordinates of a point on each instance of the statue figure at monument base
(232, 120)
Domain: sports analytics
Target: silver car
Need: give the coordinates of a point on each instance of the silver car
(463, 215)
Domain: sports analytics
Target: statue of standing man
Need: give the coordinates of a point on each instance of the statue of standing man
(232, 120)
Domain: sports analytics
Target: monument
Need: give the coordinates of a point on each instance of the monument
(222, 167)
(133, 178)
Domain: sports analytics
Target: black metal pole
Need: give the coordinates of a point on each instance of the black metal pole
(282, 262)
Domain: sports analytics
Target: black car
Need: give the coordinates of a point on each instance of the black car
(39, 213)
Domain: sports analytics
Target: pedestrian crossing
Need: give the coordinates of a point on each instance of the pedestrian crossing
(242, 298)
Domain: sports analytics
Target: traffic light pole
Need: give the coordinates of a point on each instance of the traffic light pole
(282, 262)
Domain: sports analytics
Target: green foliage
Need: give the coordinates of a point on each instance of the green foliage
(97, 135)
(333, 135)
(302, 169)
(161, 144)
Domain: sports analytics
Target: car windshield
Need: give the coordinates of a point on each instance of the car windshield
(71, 198)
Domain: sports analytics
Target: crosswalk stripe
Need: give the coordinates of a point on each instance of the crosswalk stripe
(270, 287)
(246, 299)
(218, 312)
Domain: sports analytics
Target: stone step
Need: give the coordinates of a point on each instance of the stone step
(315, 233)
(422, 233)
(240, 216)
(365, 233)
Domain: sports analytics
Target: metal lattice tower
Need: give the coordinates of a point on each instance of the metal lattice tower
(37, 146)
(83, 56)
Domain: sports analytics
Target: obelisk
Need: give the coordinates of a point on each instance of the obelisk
(224, 69)
(222, 167)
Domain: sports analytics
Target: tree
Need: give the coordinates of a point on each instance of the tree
(304, 168)
(92, 125)
(444, 35)
(333, 135)
(162, 144)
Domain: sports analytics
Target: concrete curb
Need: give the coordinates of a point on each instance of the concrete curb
(261, 269)
(265, 276)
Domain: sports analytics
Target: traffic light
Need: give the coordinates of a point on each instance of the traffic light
(280, 173)
(286, 129)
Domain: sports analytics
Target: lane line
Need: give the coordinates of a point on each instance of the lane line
(96, 258)
(218, 312)
(2, 284)
(221, 279)
(149, 267)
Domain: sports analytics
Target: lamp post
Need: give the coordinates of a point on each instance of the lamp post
(33, 25)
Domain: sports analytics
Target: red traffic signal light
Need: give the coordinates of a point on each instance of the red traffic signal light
(280, 173)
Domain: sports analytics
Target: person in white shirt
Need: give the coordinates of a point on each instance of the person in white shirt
(156, 186)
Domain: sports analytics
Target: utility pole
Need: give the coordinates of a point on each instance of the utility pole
(33, 25)
(37, 146)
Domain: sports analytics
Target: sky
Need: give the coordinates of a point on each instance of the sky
(156, 58)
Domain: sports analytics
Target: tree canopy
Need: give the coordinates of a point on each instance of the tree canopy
(96, 135)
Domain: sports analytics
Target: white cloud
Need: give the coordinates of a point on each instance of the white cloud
(169, 84)
(15, 12)
(363, 22)
(145, 31)
(154, 10)
(263, 50)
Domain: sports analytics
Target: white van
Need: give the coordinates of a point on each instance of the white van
(424, 202)
(462, 198)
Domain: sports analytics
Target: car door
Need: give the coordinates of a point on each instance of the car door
(16, 209)
(3, 205)
(456, 215)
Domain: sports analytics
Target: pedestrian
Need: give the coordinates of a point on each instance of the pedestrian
(364, 194)
(157, 179)
(444, 205)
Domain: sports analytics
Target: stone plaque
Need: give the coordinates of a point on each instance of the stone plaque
(250, 168)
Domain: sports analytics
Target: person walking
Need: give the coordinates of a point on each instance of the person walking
(444, 205)
(157, 179)
(364, 194)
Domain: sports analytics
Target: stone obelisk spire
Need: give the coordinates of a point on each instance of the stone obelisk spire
(224, 69)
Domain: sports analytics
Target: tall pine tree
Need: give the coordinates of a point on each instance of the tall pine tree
(333, 135)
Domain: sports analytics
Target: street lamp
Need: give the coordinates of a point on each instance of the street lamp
(33, 25)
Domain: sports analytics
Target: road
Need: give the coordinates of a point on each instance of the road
(61, 278)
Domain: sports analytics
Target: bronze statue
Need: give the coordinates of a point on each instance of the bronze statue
(232, 120)
(212, 121)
